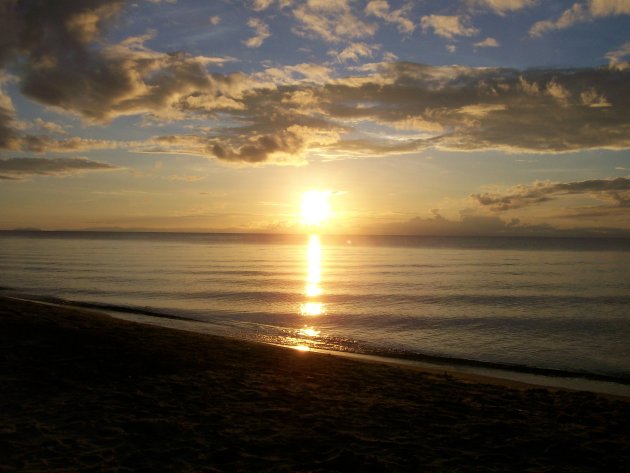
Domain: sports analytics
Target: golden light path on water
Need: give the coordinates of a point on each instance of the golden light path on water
(312, 306)
(315, 212)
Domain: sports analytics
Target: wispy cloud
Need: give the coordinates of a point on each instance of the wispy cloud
(22, 168)
(580, 13)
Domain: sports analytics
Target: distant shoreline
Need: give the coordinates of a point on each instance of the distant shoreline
(594, 242)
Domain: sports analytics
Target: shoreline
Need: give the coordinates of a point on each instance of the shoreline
(491, 372)
(82, 391)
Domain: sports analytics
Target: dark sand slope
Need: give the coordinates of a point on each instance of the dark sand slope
(82, 391)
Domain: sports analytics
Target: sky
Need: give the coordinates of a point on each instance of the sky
(464, 117)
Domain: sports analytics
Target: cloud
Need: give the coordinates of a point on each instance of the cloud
(501, 7)
(50, 127)
(296, 75)
(609, 7)
(8, 30)
(13, 138)
(278, 145)
(399, 17)
(354, 52)
(453, 108)
(616, 192)
(538, 111)
(330, 20)
(447, 26)
(289, 113)
(469, 224)
(43, 143)
(66, 64)
(259, 5)
(580, 13)
(487, 43)
(576, 14)
(473, 224)
(8, 134)
(22, 168)
(261, 33)
(616, 58)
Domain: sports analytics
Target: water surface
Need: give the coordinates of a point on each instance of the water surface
(550, 304)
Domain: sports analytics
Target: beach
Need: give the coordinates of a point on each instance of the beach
(81, 391)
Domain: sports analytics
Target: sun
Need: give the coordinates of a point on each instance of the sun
(315, 207)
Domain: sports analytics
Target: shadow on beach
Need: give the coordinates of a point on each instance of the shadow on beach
(81, 391)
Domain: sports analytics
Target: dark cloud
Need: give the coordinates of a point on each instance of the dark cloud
(467, 109)
(283, 145)
(13, 138)
(616, 192)
(21, 168)
(65, 63)
(8, 29)
(453, 108)
(419, 107)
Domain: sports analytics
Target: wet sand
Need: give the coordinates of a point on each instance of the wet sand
(80, 391)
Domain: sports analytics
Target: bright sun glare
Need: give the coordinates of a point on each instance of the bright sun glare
(315, 207)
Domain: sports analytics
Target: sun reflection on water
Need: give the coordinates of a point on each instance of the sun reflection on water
(309, 332)
(312, 309)
(314, 268)
(312, 290)
(312, 306)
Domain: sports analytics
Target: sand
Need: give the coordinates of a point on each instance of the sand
(80, 391)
